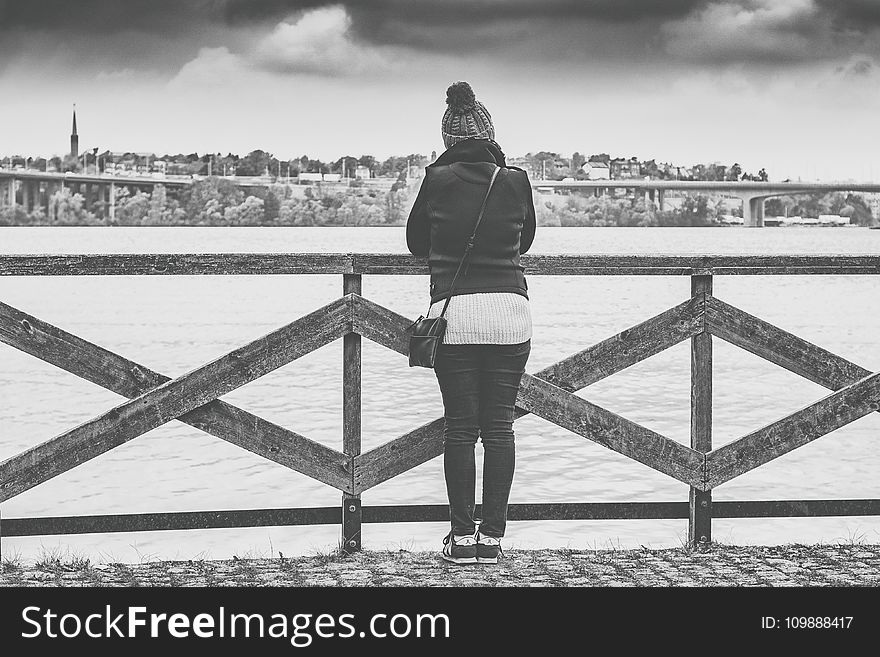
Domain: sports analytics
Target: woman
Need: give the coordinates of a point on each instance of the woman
(488, 336)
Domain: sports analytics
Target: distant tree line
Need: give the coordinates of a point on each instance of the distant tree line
(812, 205)
(220, 202)
(217, 201)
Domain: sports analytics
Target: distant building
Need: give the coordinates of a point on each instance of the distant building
(596, 170)
(525, 164)
(623, 168)
(128, 164)
(74, 137)
(362, 172)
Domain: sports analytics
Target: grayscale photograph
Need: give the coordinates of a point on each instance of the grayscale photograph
(461, 293)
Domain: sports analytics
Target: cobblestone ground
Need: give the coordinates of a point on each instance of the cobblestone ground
(716, 565)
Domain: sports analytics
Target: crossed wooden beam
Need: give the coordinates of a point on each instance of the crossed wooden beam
(154, 399)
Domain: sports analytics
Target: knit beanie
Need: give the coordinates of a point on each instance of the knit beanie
(466, 117)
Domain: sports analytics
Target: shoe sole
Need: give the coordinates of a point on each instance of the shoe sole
(459, 560)
(487, 559)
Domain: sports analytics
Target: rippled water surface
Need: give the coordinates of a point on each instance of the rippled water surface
(175, 324)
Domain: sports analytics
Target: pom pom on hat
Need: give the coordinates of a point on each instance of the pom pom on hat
(465, 117)
(460, 97)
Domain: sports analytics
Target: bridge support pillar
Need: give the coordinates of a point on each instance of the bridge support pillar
(661, 197)
(753, 211)
(10, 192)
(112, 201)
(26, 196)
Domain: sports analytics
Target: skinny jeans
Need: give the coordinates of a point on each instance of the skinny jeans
(479, 384)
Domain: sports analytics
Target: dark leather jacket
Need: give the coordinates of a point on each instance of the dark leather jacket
(445, 212)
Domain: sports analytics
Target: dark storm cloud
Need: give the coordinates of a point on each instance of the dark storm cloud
(463, 12)
(107, 16)
(164, 34)
(530, 27)
(853, 14)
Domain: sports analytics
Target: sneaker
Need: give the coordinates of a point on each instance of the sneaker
(488, 549)
(460, 549)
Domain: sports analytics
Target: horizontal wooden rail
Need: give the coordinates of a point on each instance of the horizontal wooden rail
(177, 264)
(332, 515)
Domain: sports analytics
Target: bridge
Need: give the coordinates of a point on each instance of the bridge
(31, 189)
(752, 193)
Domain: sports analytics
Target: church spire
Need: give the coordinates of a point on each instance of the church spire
(74, 137)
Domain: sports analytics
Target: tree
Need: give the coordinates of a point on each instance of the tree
(256, 163)
(249, 213)
(71, 163)
(271, 206)
(158, 200)
(861, 213)
(223, 193)
(69, 209)
(734, 172)
(577, 161)
(774, 207)
(345, 165)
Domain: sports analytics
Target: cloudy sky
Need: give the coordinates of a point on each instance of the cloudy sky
(790, 85)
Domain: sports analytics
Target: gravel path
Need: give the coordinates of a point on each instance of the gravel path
(716, 565)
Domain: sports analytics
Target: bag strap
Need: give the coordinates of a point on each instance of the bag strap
(470, 241)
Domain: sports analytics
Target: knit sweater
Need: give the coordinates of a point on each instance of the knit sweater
(486, 318)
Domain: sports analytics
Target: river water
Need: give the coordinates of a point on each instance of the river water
(175, 324)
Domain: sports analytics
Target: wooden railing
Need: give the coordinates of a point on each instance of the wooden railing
(154, 399)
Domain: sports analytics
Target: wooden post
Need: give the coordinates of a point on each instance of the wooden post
(700, 502)
(351, 421)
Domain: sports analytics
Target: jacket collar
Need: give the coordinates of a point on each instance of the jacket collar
(472, 150)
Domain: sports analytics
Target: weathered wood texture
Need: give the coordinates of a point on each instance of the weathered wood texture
(780, 347)
(405, 264)
(793, 431)
(352, 518)
(626, 348)
(351, 416)
(47, 526)
(399, 455)
(145, 522)
(700, 501)
(611, 430)
(381, 325)
(130, 379)
(546, 511)
(795, 508)
(175, 264)
(172, 399)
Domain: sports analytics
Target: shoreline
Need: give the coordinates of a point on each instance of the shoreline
(791, 565)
